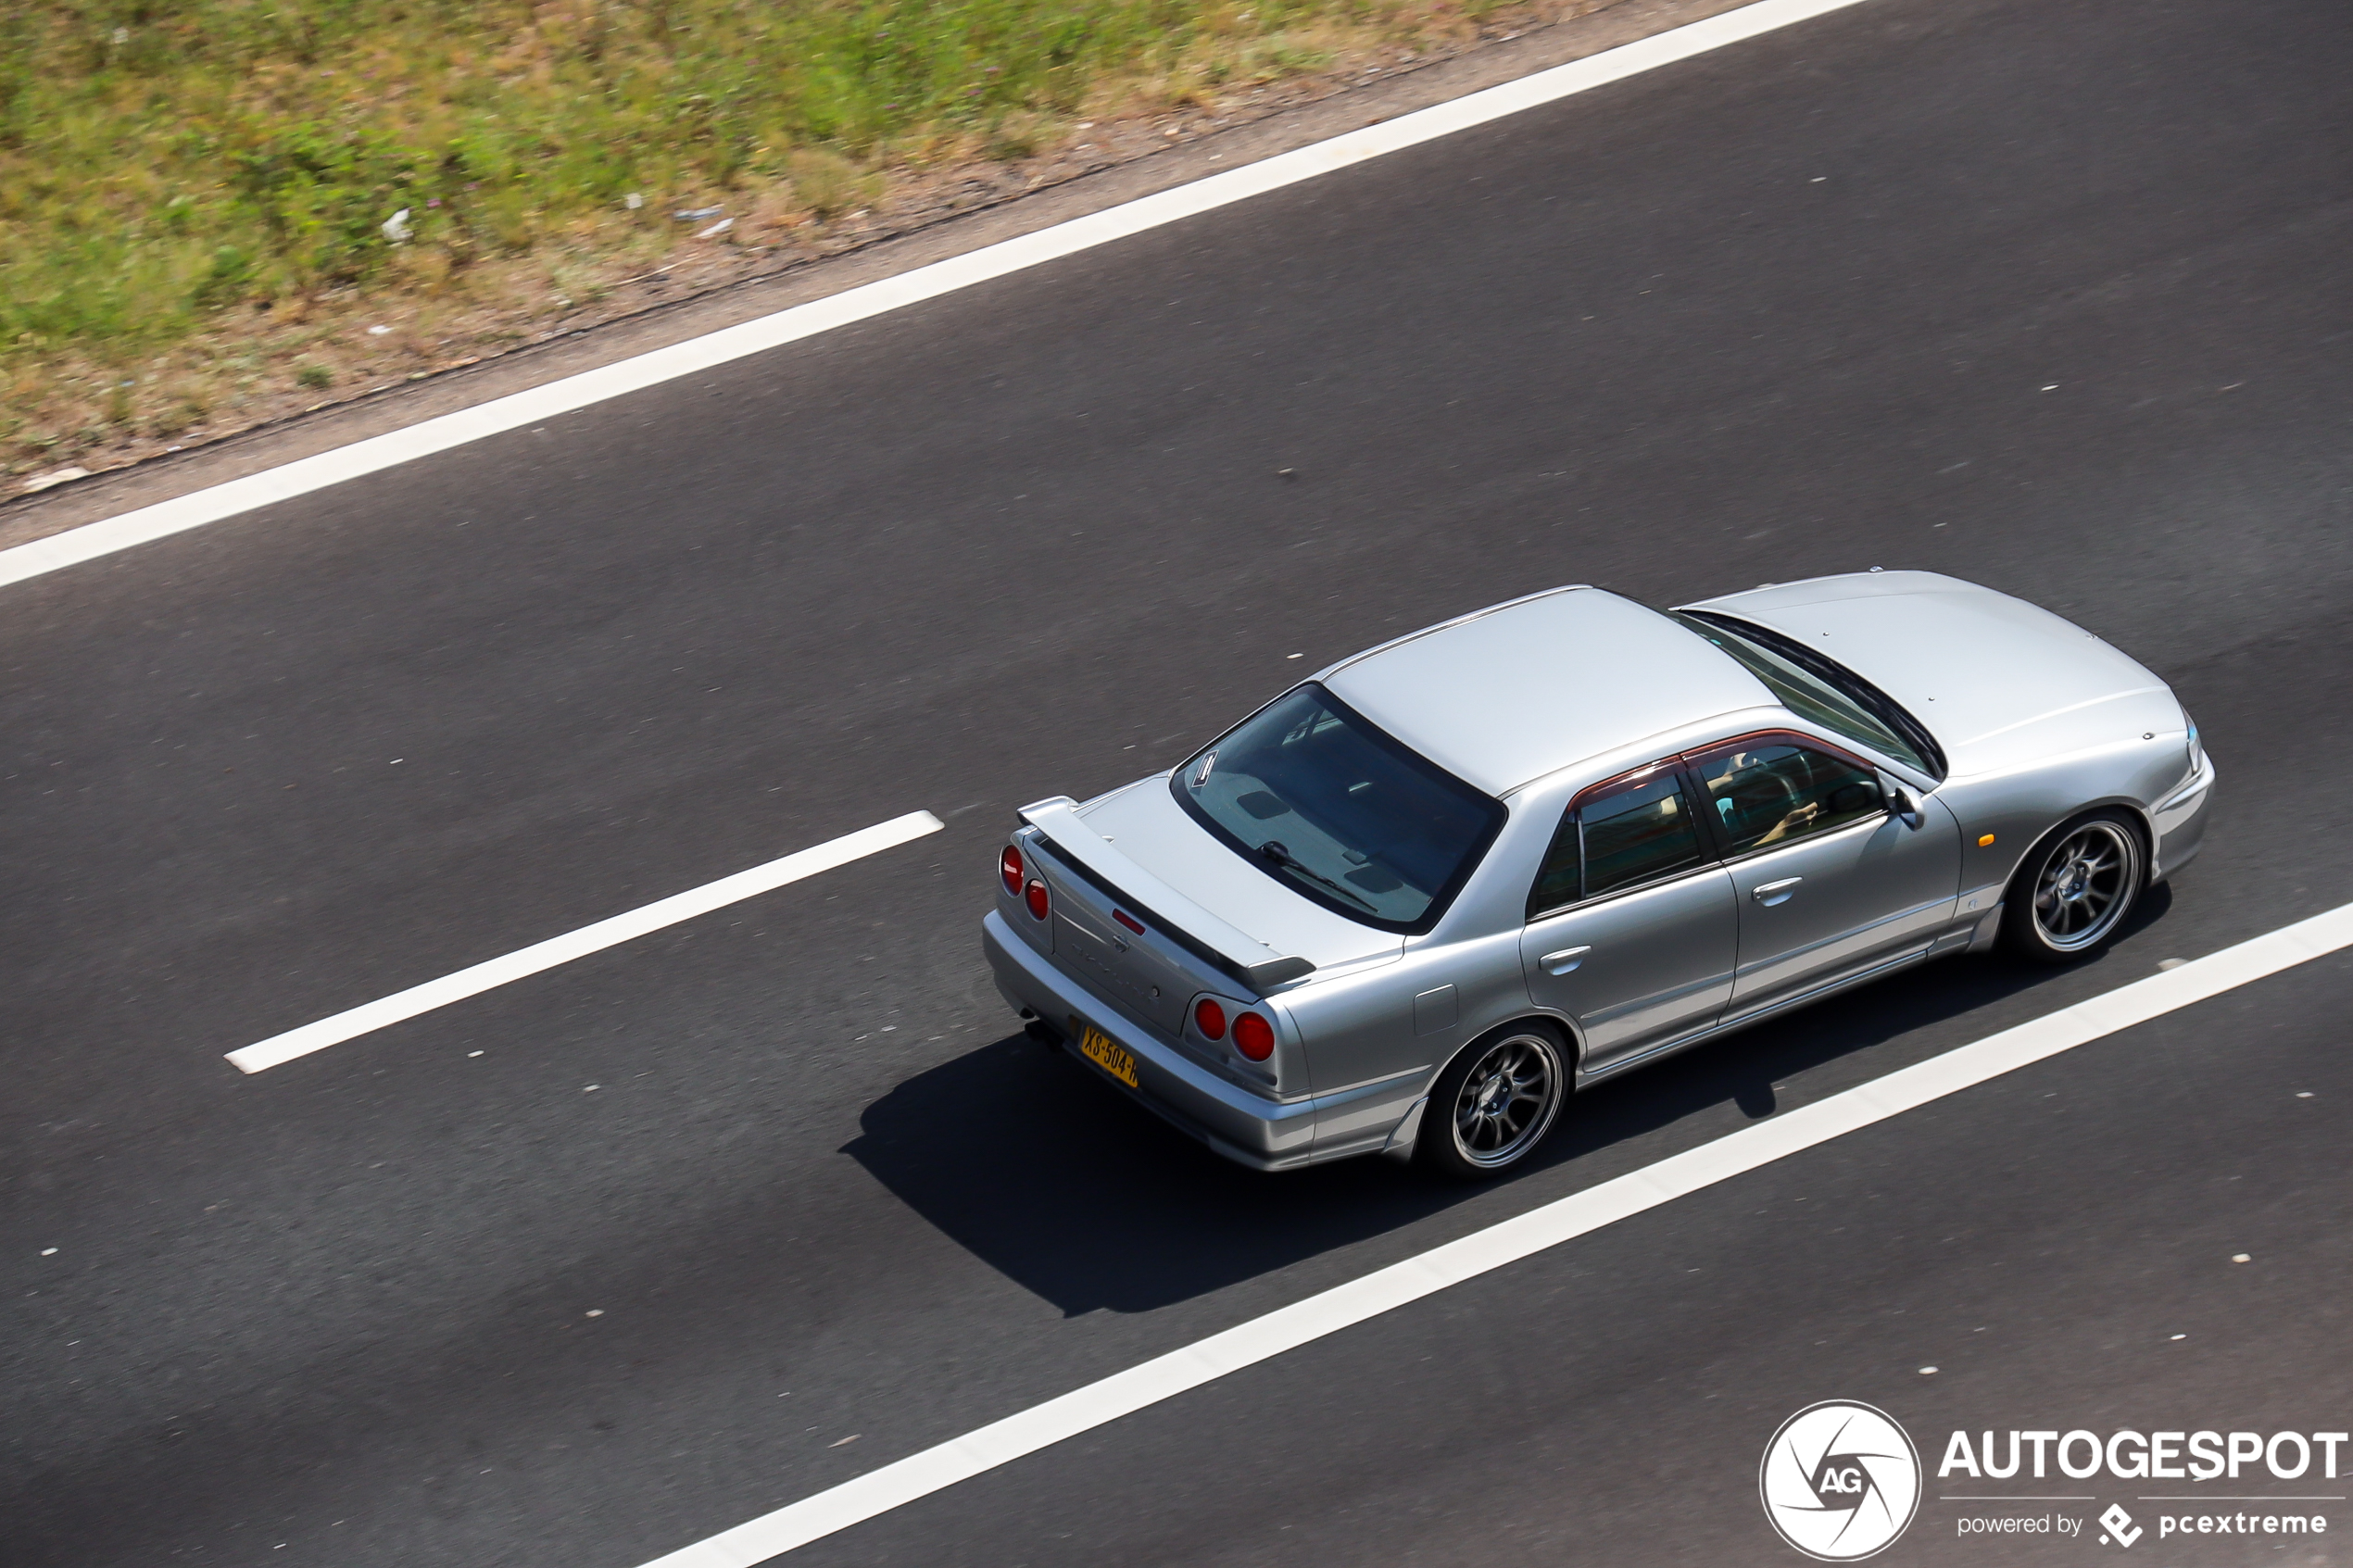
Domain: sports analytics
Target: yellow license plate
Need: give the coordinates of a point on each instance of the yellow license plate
(1097, 1047)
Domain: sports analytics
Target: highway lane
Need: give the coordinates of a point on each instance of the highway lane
(2056, 1245)
(970, 555)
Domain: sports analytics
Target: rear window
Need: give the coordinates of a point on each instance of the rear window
(1315, 796)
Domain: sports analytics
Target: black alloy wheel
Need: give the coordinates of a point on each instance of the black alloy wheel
(2074, 891)
(1494, 1103)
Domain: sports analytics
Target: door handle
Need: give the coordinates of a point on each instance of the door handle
(1563, 960)
(1771, 893)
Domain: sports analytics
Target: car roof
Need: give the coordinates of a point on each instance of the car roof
(1507, 695)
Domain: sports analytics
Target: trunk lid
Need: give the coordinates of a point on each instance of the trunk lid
(1216, 921)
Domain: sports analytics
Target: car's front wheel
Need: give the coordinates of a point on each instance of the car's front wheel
(2072, 894)
(1494, 1103)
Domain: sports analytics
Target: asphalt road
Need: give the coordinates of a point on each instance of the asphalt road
(2047, 294)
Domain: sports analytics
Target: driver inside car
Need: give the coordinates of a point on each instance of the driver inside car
(1772, 787)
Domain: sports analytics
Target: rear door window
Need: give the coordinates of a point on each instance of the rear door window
(1620, 834)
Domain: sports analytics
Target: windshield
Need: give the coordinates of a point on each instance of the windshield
(1803, 681)
(1337, 810)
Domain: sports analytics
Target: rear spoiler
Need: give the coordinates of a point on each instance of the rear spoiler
(1235, 951)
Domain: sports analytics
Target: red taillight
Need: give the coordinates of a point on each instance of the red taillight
(1009, 866)
(1130, 922)
(1036, 899)
(1253, 1036)
(1210, 1019)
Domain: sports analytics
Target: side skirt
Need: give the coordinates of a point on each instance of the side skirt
(1772, 1009)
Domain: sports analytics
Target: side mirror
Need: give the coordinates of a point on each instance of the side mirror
(1901, 800)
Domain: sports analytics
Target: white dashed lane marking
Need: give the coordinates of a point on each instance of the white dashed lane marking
(280, 1048)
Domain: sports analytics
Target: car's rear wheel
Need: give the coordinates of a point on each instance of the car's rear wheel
(1494, 1103)
(2074, 891)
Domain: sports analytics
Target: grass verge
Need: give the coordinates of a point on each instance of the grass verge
(218, 211)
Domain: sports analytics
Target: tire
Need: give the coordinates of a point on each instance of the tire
(2075, 890)
(1494, 1103)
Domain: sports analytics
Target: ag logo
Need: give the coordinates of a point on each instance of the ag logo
(1839, 1480)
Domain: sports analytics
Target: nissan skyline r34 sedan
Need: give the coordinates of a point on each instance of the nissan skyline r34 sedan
(1415, 902)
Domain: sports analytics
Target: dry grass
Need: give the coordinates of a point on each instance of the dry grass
(193, 199)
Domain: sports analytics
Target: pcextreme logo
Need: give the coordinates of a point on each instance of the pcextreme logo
(1839, 1480)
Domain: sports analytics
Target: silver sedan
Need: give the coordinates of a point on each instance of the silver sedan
(1415, 903)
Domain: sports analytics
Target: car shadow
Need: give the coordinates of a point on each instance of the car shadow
(1017, 1153)
(1743, 1067)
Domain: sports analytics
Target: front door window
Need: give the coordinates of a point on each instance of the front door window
(1771, 791)
(1828, 883)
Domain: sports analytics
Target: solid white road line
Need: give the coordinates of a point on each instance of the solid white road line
(1343, 1306)
(579, 944)
(543, 403)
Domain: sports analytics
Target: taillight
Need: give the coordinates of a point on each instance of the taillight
(1009, 866)
(1036, 899)
(1253, 1036)
(1210, 1019)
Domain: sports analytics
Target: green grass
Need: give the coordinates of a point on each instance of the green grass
(162, 161)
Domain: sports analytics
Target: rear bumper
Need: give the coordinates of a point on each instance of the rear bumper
(1265, 1134)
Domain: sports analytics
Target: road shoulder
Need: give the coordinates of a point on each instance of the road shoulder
(1353, 107)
